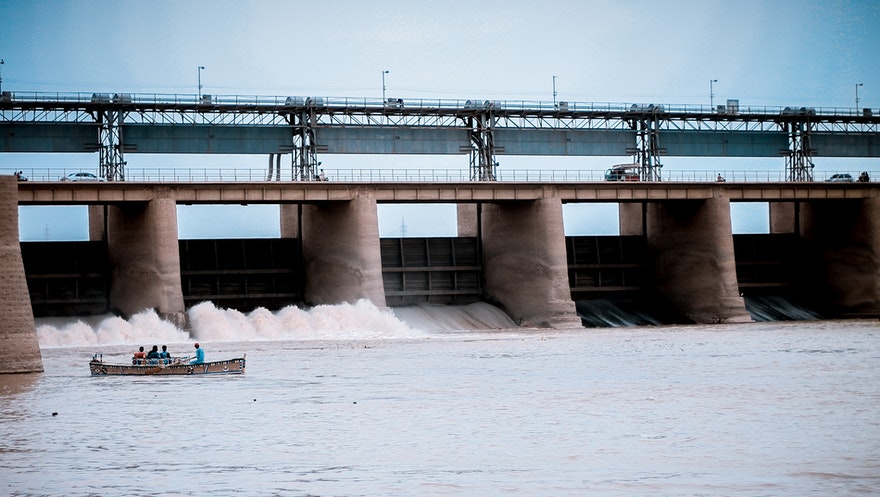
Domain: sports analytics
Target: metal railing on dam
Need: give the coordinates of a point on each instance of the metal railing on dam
(252, 103)
(428, 175)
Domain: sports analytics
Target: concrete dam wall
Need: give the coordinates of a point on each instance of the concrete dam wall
(515, 254)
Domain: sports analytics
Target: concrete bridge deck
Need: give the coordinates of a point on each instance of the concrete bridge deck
(66, 193)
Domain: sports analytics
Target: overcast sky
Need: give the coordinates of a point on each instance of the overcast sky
(775, 53)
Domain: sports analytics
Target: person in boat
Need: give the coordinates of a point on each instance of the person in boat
(154, 353)
(164, 354)
(139, 356)
(200, 355)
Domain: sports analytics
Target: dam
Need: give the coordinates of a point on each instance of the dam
(676, 245)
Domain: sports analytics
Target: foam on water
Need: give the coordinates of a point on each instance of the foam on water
(108, 330)
(348, 321)
(360, 320)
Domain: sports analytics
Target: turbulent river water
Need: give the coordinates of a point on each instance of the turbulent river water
(353, 401)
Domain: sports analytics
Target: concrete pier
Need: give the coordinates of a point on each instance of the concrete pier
(692, 247)
(843, 240)
(19, 347)
(784, 217)
(289, 219)
(97, 223)
(631, 218)
(145, 257)
(467, 218)
(341, 252)
(524, 262)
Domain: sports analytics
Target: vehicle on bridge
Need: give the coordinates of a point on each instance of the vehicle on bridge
(81, 177)
(623, 172)
(840, 178)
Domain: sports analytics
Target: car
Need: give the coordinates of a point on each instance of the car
(81, 177)
(840, 178)
(623, 172)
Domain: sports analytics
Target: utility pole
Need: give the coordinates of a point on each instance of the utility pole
(201, 68)
(383, 85)
(857, 92)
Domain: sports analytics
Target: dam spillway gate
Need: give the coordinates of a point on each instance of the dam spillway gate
(242, 273)
(431, 270)
(74, 277)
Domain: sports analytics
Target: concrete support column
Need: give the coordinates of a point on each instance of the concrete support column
(290, 220)
(631, 218)
(783, 217)
(525, 266)
(694, 267)
(341, 252)
(19, 347)
(467, 220)
(96, 223)
(143, 249)
(843, 240)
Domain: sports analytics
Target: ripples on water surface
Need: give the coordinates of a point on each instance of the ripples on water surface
(763, 409)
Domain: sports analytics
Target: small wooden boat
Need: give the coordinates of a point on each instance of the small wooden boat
(140, 367)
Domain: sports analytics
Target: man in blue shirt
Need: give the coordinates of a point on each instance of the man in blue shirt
(200, 355)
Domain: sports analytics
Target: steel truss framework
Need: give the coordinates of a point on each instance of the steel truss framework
(111, 163)
(481, 119)
(482, 163)
(799, 156)
(305, 151)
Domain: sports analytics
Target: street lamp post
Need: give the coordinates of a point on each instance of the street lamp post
(857, 94)
(1, 75)
(554, 92)
(383, 85)
(712, 94)
(201, 68)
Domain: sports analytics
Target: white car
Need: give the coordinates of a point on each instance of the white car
(840, 178)
(81, 177)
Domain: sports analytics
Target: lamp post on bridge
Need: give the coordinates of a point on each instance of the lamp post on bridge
(1, 76)
(857, 93)
(383, 85)
(554, 92)
(712, 94)
(201, 68)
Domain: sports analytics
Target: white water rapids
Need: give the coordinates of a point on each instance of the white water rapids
(360, 320)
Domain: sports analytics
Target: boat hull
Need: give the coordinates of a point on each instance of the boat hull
(229, 366)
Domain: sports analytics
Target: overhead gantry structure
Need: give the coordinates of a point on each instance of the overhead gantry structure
(303, 128)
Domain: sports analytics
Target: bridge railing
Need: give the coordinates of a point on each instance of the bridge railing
(251, 175)
(248, 102)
